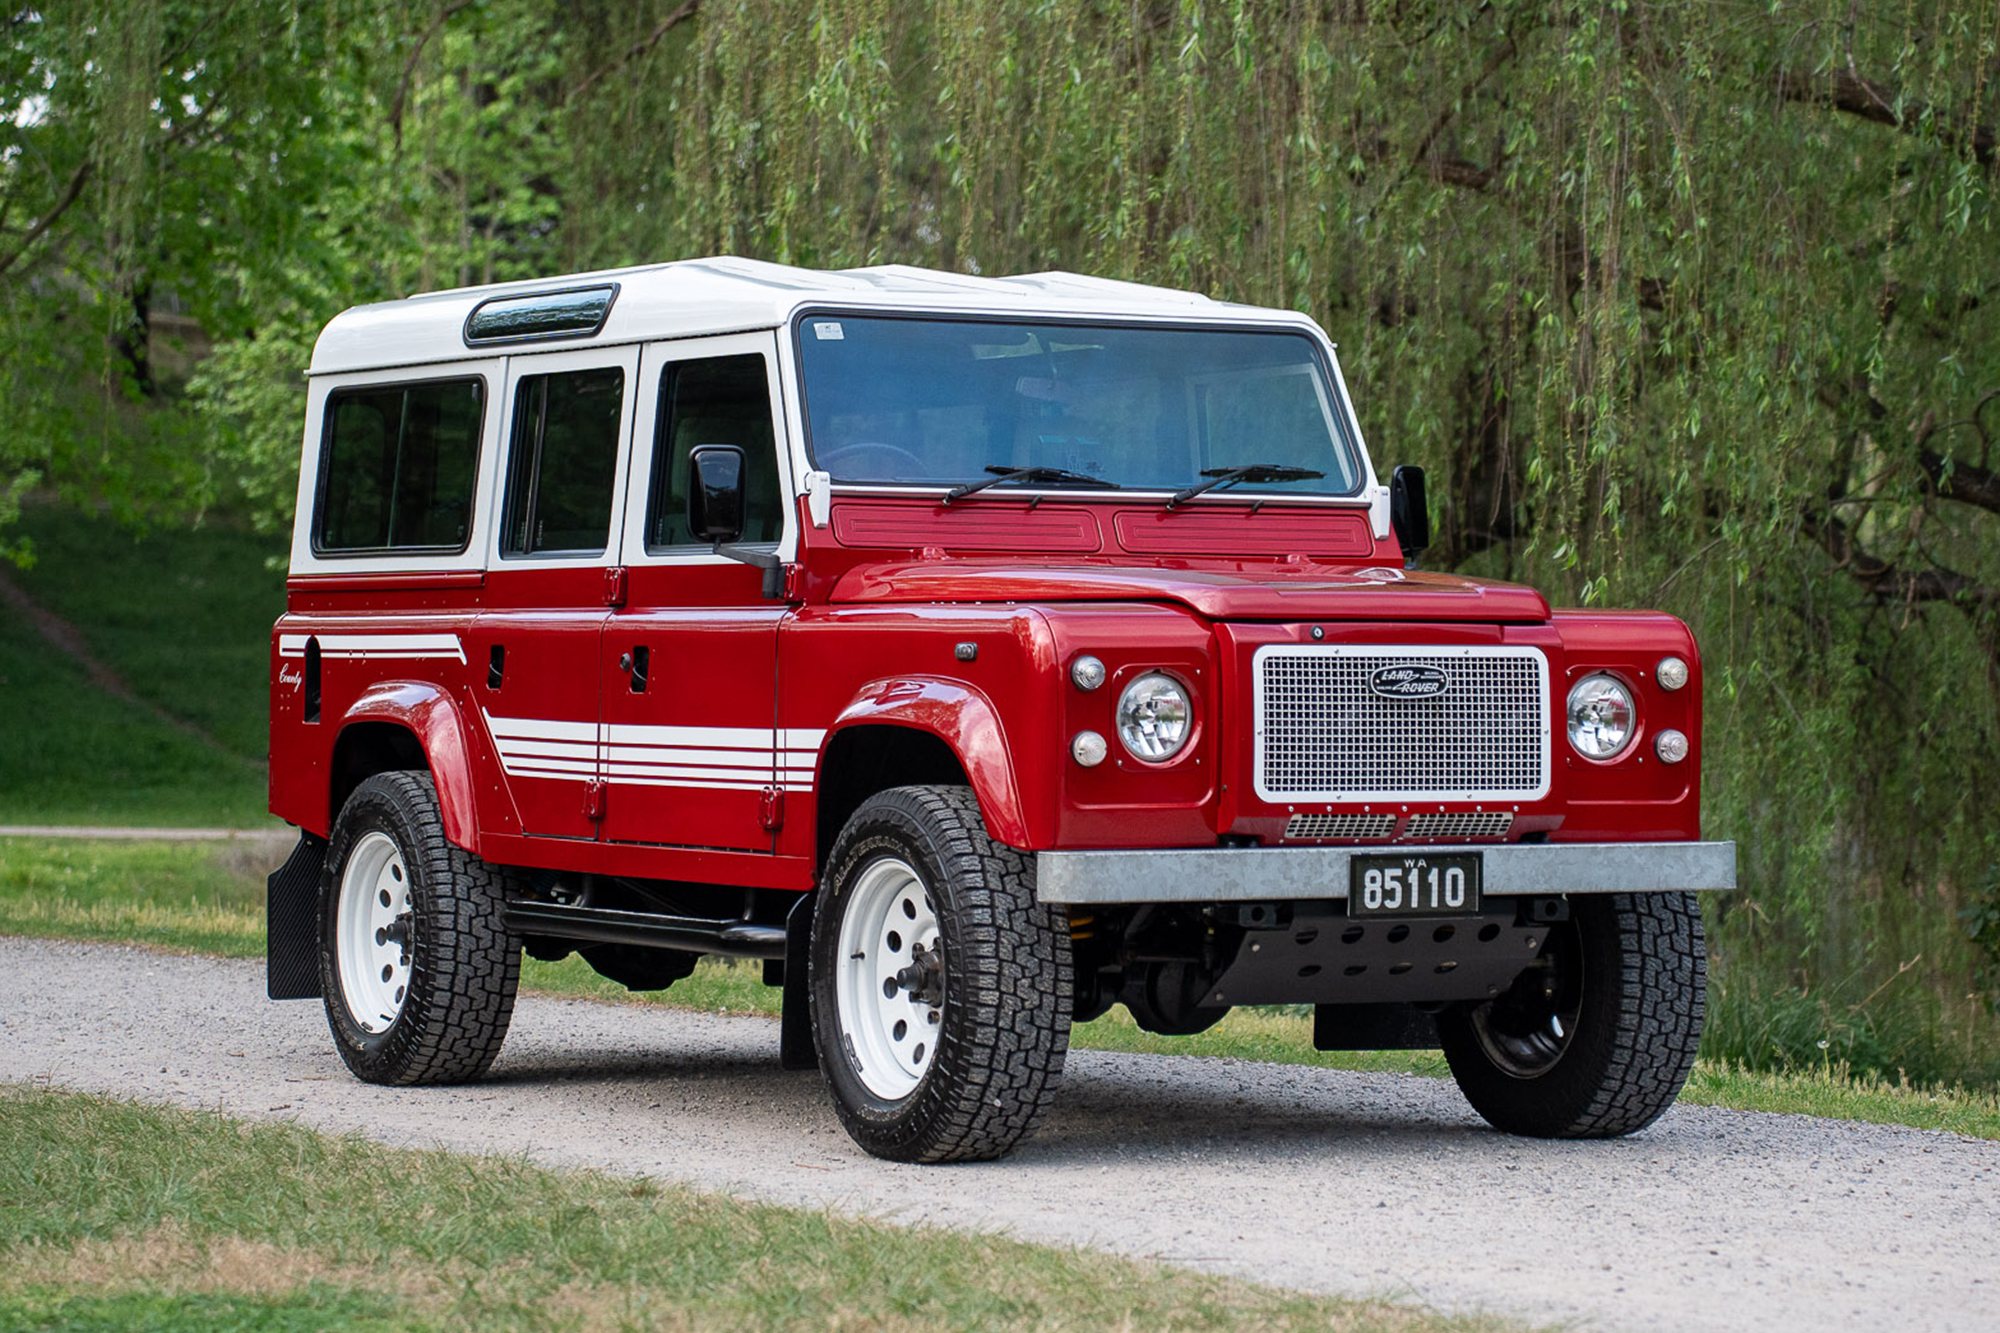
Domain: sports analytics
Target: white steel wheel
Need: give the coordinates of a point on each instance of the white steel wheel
(372, 926)
(890, 989)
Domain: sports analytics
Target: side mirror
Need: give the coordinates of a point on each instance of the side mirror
(1408, 513)
(715, 492)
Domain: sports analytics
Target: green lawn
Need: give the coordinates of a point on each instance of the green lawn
(184, 618)
(183, 615)
(71, 754)
(115, 1216)
(208, 898)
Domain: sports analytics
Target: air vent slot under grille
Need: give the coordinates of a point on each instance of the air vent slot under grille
(1340, 826)
(1340, 722)
(1462, 824)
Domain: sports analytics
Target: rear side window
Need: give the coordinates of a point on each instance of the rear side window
(399, 462)
(563, 462)
(715, 400)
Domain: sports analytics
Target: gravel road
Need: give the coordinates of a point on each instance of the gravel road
(1358, 1184)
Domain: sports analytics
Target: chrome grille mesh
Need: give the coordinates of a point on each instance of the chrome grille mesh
(1340, 826)
(1323, 733)
(1460, 824)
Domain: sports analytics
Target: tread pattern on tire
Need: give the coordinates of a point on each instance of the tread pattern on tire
(1660, 1013)
(1618, 1076)
(997, 1070)
(468, 965)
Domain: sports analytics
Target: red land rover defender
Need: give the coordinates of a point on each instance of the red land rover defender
(979, 653)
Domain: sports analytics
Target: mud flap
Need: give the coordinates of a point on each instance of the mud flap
(795, 1036)
(291, 923)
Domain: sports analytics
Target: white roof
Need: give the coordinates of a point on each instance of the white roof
(694, 297)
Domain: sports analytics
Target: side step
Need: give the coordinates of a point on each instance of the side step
(602, 925)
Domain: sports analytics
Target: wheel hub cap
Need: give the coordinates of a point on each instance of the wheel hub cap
(372, 932)
(891, 979)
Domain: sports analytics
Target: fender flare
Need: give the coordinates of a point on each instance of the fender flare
(428, 713)
(963, 718)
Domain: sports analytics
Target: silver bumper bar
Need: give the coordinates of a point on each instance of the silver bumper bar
(1255, 874)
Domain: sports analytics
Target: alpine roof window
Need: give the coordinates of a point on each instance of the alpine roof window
(579, 312)
(399, 466)
(563, 462)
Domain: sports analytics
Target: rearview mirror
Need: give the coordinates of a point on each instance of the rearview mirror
(715, 492)
(1409, 514)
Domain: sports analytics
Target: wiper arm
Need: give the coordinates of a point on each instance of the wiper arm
(1001, 474)
(1229, 476)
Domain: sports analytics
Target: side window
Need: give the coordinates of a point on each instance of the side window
(399, 466)
(562, 463)
(715, 400)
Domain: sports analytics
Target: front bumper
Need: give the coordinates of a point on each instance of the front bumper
(1265, 874)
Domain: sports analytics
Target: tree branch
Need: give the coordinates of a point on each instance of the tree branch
(1849, 92)
(1889, 582)
(410, 65)
(633, 52)
(1967, 482)
(49, 219)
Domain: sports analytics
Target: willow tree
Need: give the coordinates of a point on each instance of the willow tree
(1686, 305)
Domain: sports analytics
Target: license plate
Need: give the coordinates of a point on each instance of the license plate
(1414, 884)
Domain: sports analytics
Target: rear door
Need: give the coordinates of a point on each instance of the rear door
(689, 663)
(559, 508)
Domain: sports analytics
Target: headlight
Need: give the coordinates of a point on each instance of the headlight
(1671, 746)
(1600, 717)
(1154, 717)
(1672, 673)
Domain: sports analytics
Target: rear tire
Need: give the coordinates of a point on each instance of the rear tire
(958, 1060)
(417, 966)
(1597, 1040)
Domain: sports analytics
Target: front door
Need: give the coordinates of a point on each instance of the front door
(689, 663)
(533, 652)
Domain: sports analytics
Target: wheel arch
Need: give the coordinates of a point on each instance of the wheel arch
(919, 730)
(408, 725)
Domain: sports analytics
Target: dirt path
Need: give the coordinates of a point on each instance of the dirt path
(69, 640)
(1316, 1179)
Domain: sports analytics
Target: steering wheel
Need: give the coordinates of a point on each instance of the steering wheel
(836, 460)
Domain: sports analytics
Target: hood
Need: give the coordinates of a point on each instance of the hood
(1249, 591)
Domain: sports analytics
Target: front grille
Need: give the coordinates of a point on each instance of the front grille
(1340, 826)
(1462, 824)
(1325, 733)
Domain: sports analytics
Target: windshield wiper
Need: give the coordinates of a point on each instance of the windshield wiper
(1229, 476)
(1001, 474)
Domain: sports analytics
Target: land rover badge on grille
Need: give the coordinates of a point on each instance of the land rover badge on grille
(1405, 681)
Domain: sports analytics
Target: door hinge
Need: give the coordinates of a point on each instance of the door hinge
(595, 797)
(771, 808)
(614, 586)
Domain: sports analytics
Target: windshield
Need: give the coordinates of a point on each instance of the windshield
(948, 402)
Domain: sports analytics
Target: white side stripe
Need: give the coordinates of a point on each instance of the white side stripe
(715, 758)
(366, 646)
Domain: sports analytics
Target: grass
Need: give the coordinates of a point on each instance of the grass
(183, 615)
(208, 898)
(119, 1216)
(184, 618)
(71, 754)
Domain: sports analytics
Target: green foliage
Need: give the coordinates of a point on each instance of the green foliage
(1682, 305)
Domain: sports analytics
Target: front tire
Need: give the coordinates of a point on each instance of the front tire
(940, 987)
(1596, 1040)
(417, 965)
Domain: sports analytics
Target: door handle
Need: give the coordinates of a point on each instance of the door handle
(634, 664)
